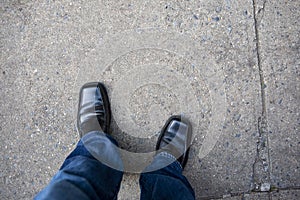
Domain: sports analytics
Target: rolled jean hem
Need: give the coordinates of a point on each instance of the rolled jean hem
(104, 148)
(169, 156)
(101, 133)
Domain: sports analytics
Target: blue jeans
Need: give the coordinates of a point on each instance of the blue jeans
(82, 176)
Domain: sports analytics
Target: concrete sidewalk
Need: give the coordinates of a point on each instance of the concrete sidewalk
(231, 67)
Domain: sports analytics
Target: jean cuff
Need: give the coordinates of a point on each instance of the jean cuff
(104, 148)
(170, 157)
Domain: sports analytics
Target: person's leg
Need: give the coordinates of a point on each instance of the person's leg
(94, 169)
(83, 176)
(165, 183)
(163, 178)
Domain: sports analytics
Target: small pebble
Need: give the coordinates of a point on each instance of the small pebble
(265, 187)
(226, 196)
(229, 28)
(216, 19)
(237, 117)
(218, 9)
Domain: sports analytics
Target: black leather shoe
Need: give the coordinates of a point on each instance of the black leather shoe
(175, 138)
(94, 112)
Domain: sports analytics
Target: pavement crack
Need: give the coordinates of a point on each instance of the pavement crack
(262, 9)
(261, 166)
(277, 189)
(260, 6)
(258, 53)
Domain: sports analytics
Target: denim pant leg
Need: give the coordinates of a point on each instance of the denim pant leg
(82, 176)
(165, 183)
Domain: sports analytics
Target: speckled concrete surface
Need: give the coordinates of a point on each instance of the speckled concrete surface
(250, 196)
(279, 31)
(286, 194)
(275, 195)
(235, 63)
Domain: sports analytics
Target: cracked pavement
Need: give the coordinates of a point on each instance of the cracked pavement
(232, 67)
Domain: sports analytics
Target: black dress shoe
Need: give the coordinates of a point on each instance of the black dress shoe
(94, 112)
(175, 138)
